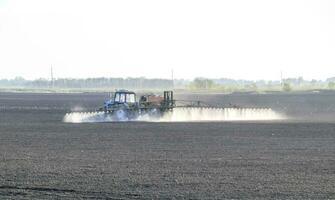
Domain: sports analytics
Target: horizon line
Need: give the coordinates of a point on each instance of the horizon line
(186, 79)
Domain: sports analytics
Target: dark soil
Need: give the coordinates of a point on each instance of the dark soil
(41, 157)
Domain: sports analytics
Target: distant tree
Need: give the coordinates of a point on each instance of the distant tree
(200, 83)
(19, 81)
(332, 79)
(300, 80)
(331, 85)
(287, 87)
(314, 82)
(254, 87)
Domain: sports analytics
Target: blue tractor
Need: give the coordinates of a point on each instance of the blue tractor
(124, 106)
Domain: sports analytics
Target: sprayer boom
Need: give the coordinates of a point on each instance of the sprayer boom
(123, 106)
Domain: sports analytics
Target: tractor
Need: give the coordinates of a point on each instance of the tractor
(123, 104)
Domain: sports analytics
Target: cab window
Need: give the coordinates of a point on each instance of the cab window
(131, 98)
(117, 97)
(120, 97)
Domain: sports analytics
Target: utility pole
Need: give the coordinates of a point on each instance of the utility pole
(172, 78)
(52, 78)
(281, 78)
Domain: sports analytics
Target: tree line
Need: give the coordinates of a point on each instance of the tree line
(222, 84)
(131, 83)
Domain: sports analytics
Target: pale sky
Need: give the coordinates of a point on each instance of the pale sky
(240, 39)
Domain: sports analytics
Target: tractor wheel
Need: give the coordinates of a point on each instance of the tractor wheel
(121, 115)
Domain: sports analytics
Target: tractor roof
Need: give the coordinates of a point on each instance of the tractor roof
(125, 91)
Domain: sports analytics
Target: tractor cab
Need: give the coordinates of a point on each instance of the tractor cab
(120, 98)
(124, 96)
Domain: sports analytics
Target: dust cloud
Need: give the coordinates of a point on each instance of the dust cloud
(226, 114)
(181, 115)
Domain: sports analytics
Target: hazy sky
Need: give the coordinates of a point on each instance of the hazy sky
(235, 39)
